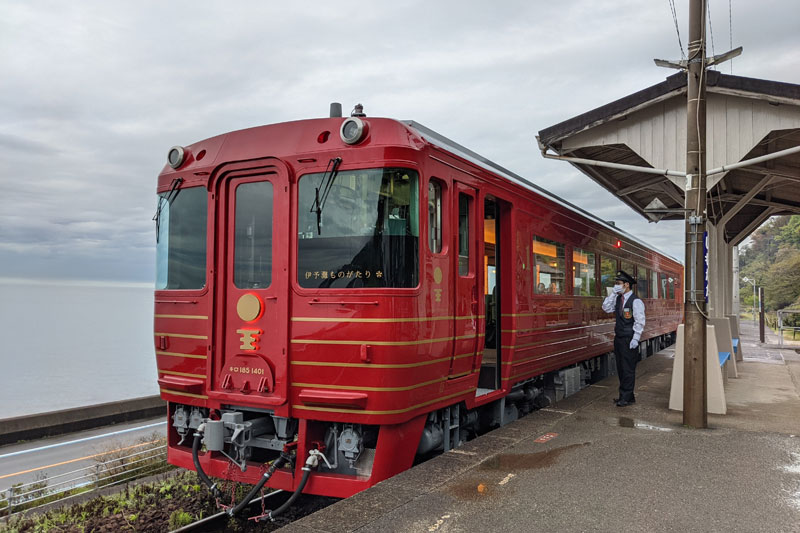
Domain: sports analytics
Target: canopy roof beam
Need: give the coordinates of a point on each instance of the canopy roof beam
(755, 223)
(743, 201)
(643, 184)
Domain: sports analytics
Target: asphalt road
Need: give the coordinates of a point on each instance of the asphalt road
(29, 461)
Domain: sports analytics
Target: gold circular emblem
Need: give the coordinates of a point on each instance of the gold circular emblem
(437, 275)
(249, 307)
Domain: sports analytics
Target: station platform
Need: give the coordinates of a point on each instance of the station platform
(586, 465)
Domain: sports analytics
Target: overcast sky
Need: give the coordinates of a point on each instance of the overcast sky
(93, 94)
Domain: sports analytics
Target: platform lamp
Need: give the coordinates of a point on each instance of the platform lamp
(753, 283)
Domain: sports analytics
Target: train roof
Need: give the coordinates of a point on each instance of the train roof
(451, 146)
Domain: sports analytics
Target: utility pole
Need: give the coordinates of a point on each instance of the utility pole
(694, 339)
(735, 307)
(694, 308)
(761, 314)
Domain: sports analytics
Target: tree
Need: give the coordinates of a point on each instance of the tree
(789, 234)
(782, 283)
(773, 261)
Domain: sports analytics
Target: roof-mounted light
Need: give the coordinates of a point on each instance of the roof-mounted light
(353, 130)
(176, 156)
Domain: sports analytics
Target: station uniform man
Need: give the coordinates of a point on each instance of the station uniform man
(628, 310)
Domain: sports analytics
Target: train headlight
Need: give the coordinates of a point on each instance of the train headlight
(176, 156)
(353, 130)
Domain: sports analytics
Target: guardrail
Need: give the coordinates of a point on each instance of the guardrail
(782, 315)
(109, 470)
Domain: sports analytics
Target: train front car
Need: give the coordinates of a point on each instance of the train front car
(290, 314)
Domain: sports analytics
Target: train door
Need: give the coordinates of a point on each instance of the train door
(250, 354)
(490, 364)
(465, 290)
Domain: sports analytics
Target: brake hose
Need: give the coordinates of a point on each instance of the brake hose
(312, 462)
(276, 464)
(306, 473)
(203, 477)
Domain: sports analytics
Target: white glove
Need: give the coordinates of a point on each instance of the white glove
(634, 344)
(616, 289)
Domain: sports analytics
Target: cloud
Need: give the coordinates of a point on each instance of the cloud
(93, 95)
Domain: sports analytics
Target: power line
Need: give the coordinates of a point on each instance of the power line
(677, 30)
(710, 28)
(730, 31)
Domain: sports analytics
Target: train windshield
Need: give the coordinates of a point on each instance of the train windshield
(181, 240)
(368, 232)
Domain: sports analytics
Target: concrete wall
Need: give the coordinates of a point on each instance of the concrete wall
(80, 418)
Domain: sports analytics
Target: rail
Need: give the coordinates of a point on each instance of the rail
(205, 523)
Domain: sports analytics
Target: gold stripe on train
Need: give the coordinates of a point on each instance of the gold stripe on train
(370, 389)
(551, 329)
(545, 313)
(603, 321)
(188, 394)
(188, 317)
(388, 412)
(384, 343)
(542, 343)
(462, 374)
(181, 335)
(187, 355)
(544, 356)
(184, 374)
(382, 365)
(384, 320)
(385, 389)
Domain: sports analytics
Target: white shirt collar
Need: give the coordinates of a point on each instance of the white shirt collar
(626, 296)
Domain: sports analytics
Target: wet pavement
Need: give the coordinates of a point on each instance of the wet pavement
(770, 349)
(587, 465)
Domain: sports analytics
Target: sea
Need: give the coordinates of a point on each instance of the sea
(70, 344)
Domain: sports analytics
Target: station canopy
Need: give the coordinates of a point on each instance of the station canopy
(746, 118)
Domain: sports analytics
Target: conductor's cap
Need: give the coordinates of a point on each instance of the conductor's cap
(625, 277)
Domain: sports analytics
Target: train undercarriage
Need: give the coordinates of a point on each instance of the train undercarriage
(345, 458)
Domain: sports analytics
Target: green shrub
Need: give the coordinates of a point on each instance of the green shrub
(179, 519)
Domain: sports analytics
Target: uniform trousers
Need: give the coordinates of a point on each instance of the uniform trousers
(626, 366)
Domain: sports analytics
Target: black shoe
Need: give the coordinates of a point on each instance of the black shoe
(623, 403)
(632, 400)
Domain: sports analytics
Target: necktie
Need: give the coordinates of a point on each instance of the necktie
(620, 299)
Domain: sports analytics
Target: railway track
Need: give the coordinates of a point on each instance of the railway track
(305, 505)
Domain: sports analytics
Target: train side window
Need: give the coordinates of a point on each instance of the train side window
(181, 243)
(608, 271)
(626, 267)
(663, 278)
(464, 244)
(653, 284)
(642, 283)
(549, 259)
(583, 272)
(671, 287)
(435, 216)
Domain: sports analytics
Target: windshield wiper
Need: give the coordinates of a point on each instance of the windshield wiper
(169, 198)
(326, 184)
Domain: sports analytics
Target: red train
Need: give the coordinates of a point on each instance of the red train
(368, 289)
